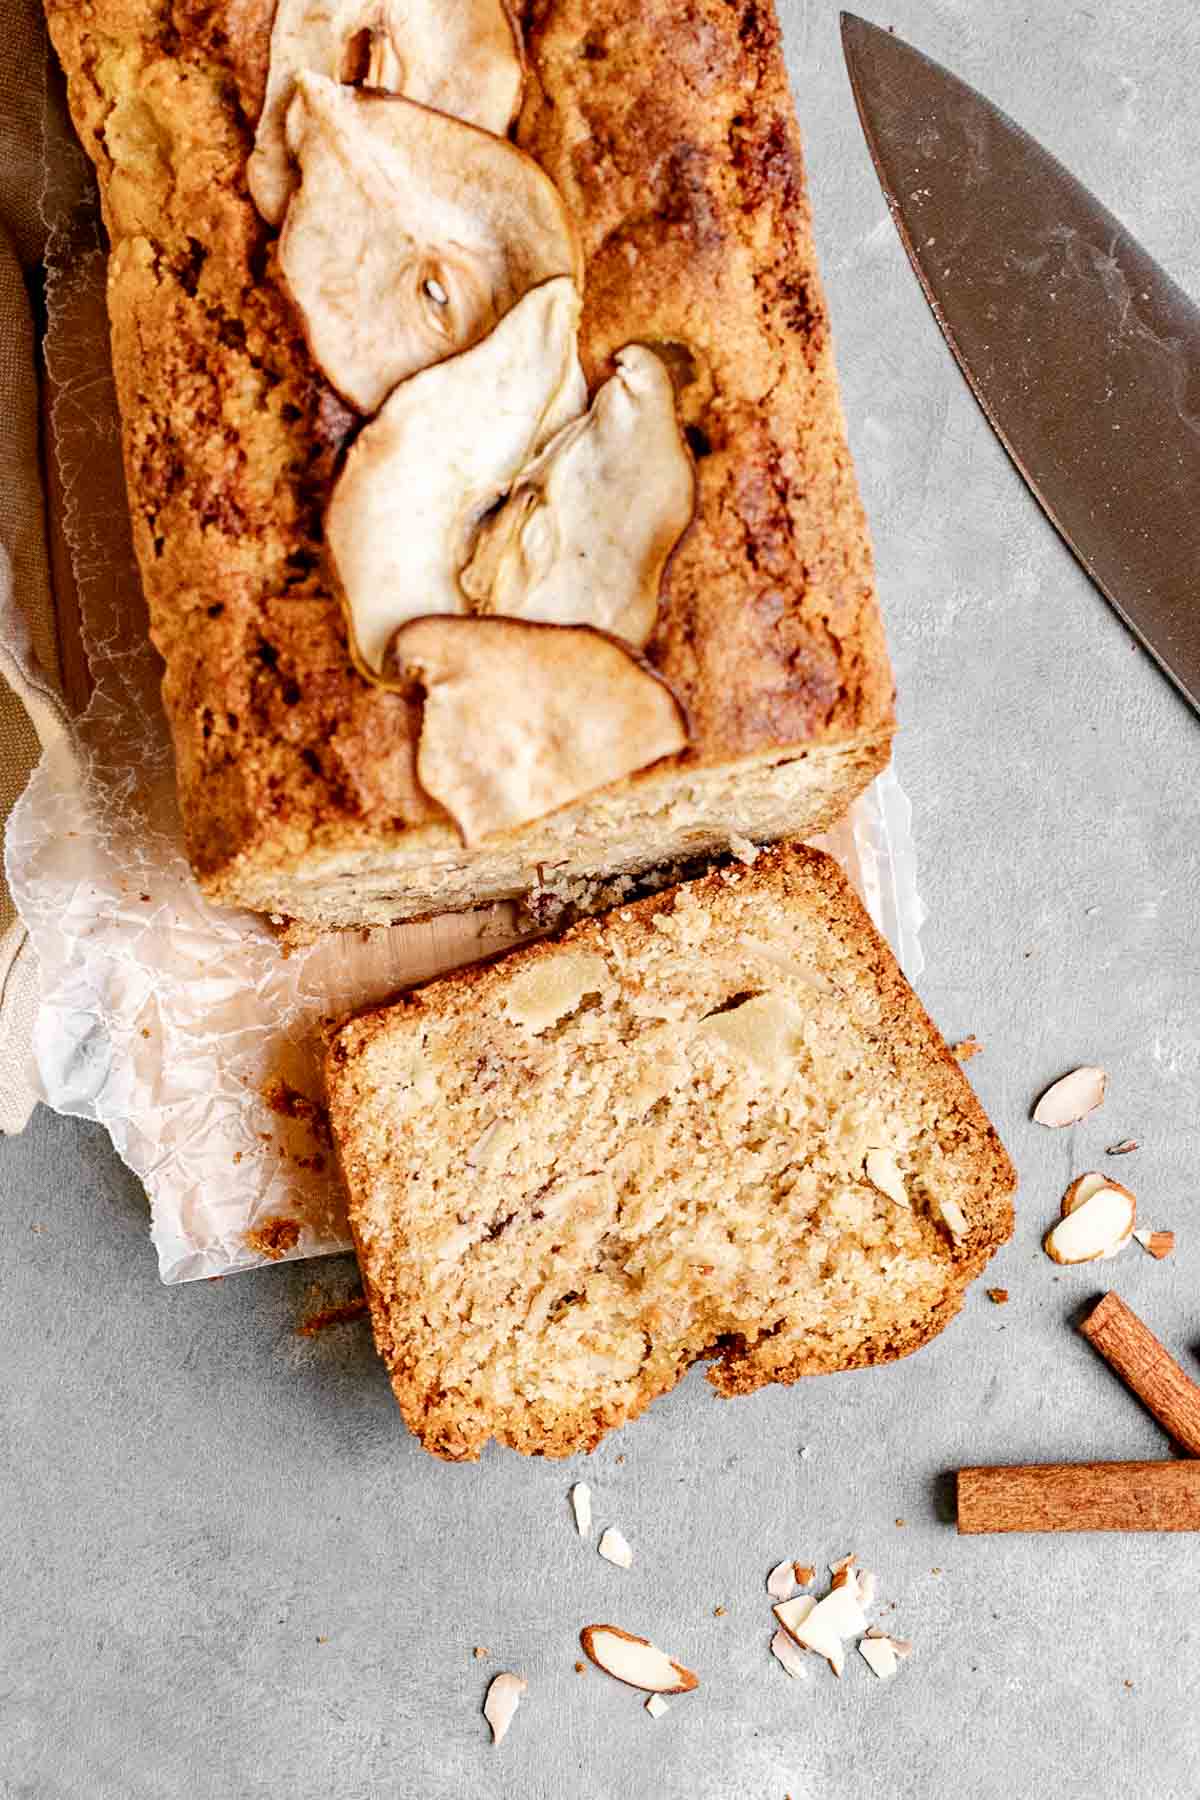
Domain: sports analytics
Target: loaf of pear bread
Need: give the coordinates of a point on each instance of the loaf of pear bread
(714, 1124)
(752, 698)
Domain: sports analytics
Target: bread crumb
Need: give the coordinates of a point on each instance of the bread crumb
(273, 1238)
(966, 1048)
(332, 1315)
(743, 849)
(718, 1612)
(480, 1651)
(581, 1668)
(998, 1296)
(901, 1523)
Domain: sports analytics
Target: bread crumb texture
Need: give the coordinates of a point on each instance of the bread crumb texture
(674, 145)
(574, 1172)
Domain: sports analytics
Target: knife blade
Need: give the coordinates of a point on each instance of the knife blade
(1081, 350)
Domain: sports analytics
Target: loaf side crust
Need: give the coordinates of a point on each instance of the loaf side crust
(677, 150)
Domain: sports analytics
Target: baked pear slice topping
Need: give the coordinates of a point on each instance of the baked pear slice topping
(520, 718)
(448, 444)
(410, 236)
(461, 56)
(584, 537)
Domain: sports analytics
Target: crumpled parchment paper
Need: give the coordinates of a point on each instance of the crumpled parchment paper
(164, 1018)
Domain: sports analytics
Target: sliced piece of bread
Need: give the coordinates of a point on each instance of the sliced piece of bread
(717, 1123)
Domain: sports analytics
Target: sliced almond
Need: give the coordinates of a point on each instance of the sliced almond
(581, 1506)
(614, 1548)
(883, 1172)
(410, 237)
(460, 56)
(821, 1625)
(866, 1588)
(804, 1573)
(842, 1564)
(418, 478)
(1158, 1243)
(787, 1651)
(1124, 1148)
(1083, 1187)
(781, 1582)
(585, 535)
(1072, 1098)
(503, 1698)
(656, 1706)
(521, 719)
(880, 1655)
(635, 1661)
(1095, 1230)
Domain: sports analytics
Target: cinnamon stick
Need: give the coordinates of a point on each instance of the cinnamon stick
(1135, 1354)
(1154, 1496)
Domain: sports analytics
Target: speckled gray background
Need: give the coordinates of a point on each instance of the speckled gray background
(226, 1573)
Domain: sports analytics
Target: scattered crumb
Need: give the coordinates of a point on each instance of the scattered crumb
(145, 899)
(481, 1650)
(273, 1238)
(37, 1230)
(1127, 1684)
(901, 1523)
(805, 1452)
(1123, 1148)
(743, 849)
(237, 1157)
(290, 1103)
(998, 1296)
(620, 1459)
(718, 1612)
(656, 1706)
(935, 1571)
(966, 1048)
(322, 1640)
(580, 1668)
(332, 1315)
(145, 1031)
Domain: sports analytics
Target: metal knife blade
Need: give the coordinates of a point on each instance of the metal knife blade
(1083, 353)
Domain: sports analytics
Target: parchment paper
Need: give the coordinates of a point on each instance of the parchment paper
(164, 1018)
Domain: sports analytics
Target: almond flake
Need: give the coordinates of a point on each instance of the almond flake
(581, 1506)
(1158, 1243)
(883, 1172)
(1095, 1230)
(822, 1625)
(656, 1706)
(503, 1698)
(804, 1573)
(866, 1589)
(1083, 1187)
(1123, 1148)
(998, 1296)
(614, 1549)
(787, 1652)
(635, 1661)
(1072, 1098)
(781, 1582)
(879, 1654)
(843, 1563)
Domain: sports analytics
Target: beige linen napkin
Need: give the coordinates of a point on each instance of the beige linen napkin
(31, 710)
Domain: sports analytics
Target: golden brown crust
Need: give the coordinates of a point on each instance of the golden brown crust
(677, 151)
(899, 1029)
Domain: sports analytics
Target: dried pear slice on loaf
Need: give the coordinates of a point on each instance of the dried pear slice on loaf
(410, 236)
(574, 1172)
(460, 56)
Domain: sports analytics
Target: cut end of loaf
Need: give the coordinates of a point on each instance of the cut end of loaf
(671, 816)
(577, 1171)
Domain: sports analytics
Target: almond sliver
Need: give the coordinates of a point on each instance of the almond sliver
(1096, 1230)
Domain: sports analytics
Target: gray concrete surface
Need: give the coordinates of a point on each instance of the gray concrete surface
(224, 1569)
